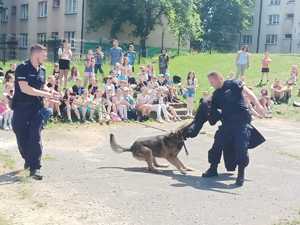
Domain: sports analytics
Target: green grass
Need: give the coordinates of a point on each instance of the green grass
(202, 64)
(4, 221)
(6, 161)
(294, 222)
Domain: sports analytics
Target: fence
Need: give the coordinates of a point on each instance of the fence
(10, 49)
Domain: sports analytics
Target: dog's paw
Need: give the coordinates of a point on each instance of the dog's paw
(189, 169)
(183, 172)
(162, 166)
(152, 170)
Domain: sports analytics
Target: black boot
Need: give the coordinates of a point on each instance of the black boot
(36, 174)
(212, 171)
(26, 166)
(241, 176)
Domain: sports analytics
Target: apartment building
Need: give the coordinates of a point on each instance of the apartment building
(25, 22)
(275, 27)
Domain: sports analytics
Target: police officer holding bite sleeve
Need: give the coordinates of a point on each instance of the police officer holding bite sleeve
(28, 108)
(236, 129)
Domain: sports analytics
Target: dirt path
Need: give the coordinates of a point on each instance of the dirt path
(86, 183)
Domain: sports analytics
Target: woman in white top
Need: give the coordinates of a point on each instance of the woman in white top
(242, 62)
(65, 56)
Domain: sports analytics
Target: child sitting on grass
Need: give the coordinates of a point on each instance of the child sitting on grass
(6, 113)
(265, 100)
(71, 103)
(99, 103)
(87, 106)
(8, 84)
(74, 73)
(294, 75)
(55, 72)
(280, 93)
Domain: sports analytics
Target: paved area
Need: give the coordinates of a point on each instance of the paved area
(86, 183)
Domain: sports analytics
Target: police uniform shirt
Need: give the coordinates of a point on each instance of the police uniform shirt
(35, 78)
(230, 100)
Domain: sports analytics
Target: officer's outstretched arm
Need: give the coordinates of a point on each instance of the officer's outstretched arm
(199, 120)
(27, 89)
(253, 99)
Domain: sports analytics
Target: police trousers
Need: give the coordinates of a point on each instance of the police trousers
(234, 138)
(27, 125)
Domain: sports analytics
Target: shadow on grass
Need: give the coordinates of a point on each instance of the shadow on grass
(207, 184)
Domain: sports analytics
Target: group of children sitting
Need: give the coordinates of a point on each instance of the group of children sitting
(281, 91)
(123, 96)
(6, 111)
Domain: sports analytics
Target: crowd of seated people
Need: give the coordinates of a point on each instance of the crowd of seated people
(122, 95)
(125, 92)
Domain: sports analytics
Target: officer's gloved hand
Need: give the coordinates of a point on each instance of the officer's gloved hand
(189, 132)
(186, 132)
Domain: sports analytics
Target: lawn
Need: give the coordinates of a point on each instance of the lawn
(202, 64)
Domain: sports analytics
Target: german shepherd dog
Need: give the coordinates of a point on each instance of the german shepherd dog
(162, 146)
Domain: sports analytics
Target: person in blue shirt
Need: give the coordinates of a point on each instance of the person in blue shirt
(116, 53)
(29, 111)
(131, 54)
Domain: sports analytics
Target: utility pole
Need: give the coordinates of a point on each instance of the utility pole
(163, 39)
(259, 25)
(82, 28)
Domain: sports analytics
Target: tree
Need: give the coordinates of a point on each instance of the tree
(143, 15)
(184, 20)
(223, 22)
(1, 6)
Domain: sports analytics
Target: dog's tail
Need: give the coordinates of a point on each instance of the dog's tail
(115, 147)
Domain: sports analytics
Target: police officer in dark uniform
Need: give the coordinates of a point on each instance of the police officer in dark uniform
(28, 107)
(229, 106)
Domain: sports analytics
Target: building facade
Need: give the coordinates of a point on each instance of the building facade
(275, 27)
(25, 22)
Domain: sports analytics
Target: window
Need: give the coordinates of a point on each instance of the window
(55, 35)
(275, 2)
(23, 43)
(288, 36)
(4, 15)
(3, 38)
(70, 37)
(290, 16)
(13, 37)
(273, 19)
(247, 39)
(14, 10)
(251, 20)
(56, 3)
(71, 6)
(42, 38)
(271, 39)
(24, 12)
(43, 11)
